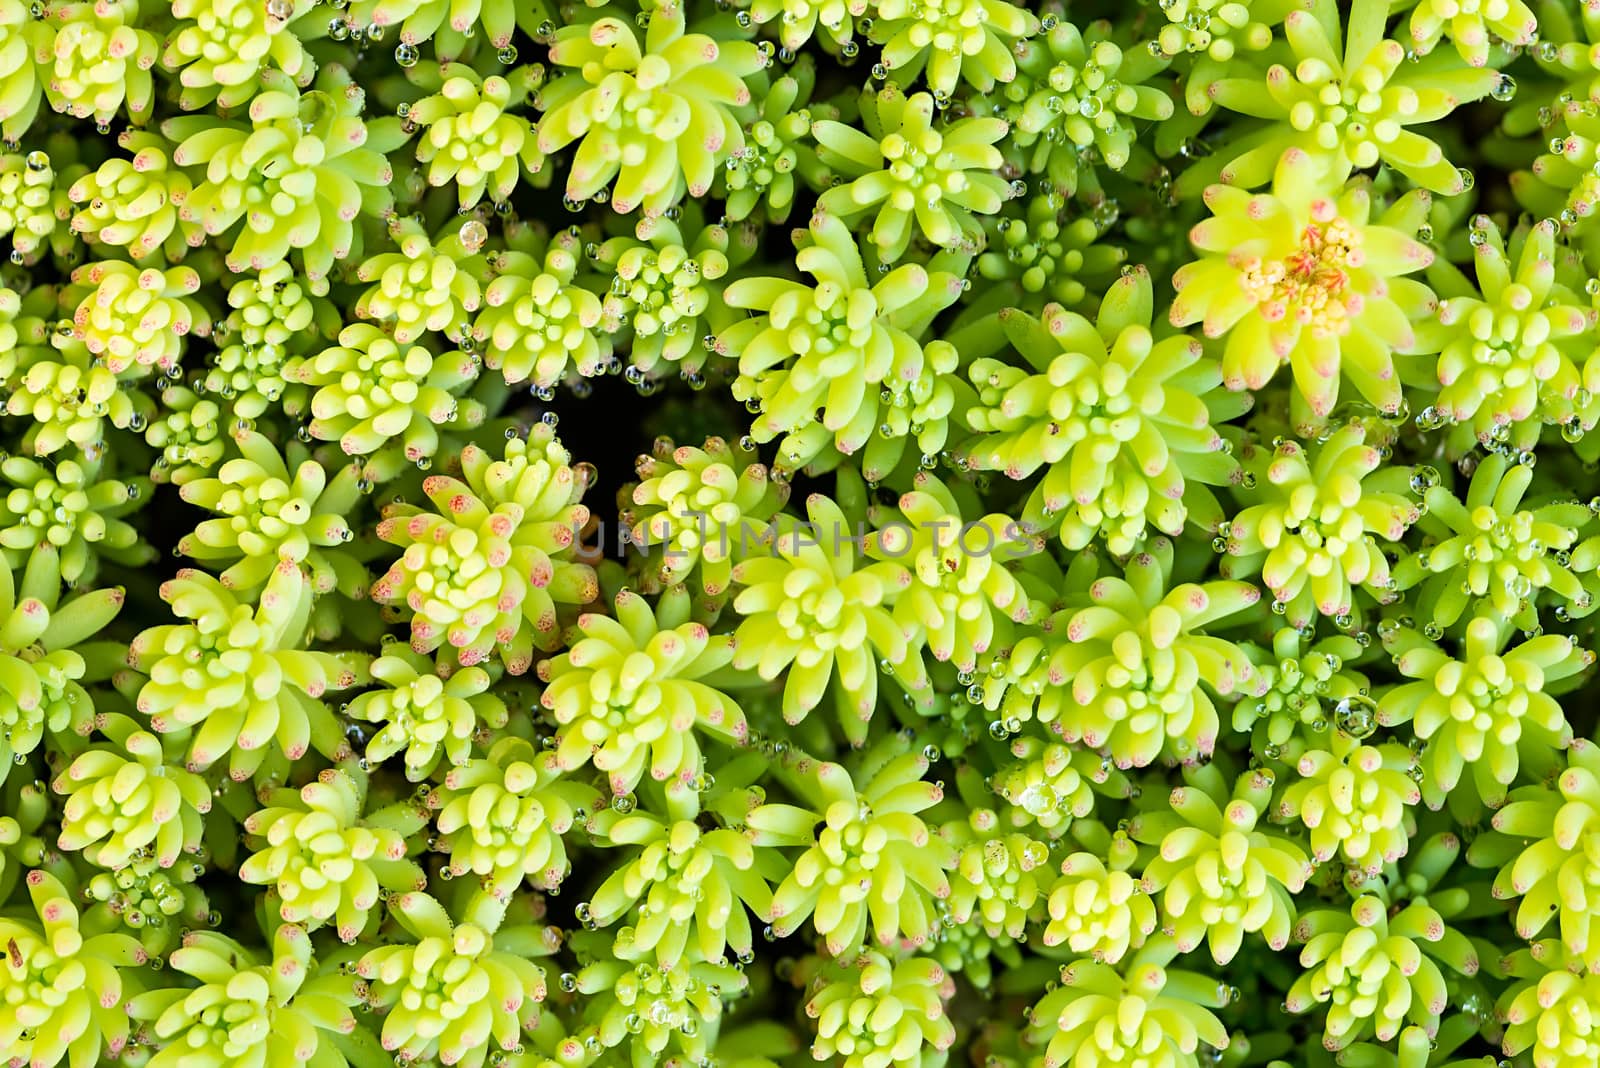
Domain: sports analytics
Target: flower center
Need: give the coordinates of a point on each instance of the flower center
(1311, 284)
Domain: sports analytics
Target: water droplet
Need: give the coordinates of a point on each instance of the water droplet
(1356, 716)
(473, 235)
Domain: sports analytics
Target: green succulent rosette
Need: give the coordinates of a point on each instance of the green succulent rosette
(1143, 1008)
(234, 681)
(503, 817)
(1479, 709)
(1355, 801)
(47, 654)
(835, 345)
(269, 512)
(808, 608)
(1221, 871)
(1120, 423)
(911, 176)
(875, 1010)
(849, 832)
(426, 985)
(629, 693)
(66, 997)
(684, 890)
(680, 97)
(326, 860)
(275, 1013)
(485, 572)
(125, 801)
(1311, 280)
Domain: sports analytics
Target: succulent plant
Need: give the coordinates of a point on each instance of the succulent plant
(538, 317)
(1121, 423)
(849, 833)
(241, 1000)
(1139, 656)
(1313, 527)
(1050, 254)
(1272, 656)
(1541, 844)
(69, 397)
(473, 138)
(905, 170)
(41, 673)
(874, 1010)
(1050, 785)
(1472, 29)
(1305, 277)
(1220, 873)
(431, 718)
(961, 595)
(631, 689)
(421, 20)
(1143, 1009)
(125, 801)
(70, 508)
(133, 203)
(1076, 90)
(779, 158)
(129, 316)
(1507, 355)
(295, 177)
(269, 513)
(271, 316)
(22, 37)
(1097, 907)
(666, 287)
(374, 392)
(995, 885)
(1478, 710)
(427, 285)
(1371, 969)
(65, 993)
(97, 60)
(428, 987)
(1351, 110)
(219, 48)
(1305, 685)
(1548, 1008)
(233, 680)
(1355, 800)
(808, 608)
(969, 40)
(28, 202)
(659, 1013)
(502, 817)
(152, 903)
(327, 860)
(694, 509)
(835, 345)
(685, 889)
(486, 571)
(189, 436)
(656, 115)
(1561, 183)
(1486, 552)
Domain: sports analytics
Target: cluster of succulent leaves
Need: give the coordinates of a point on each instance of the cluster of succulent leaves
(1107, 579)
